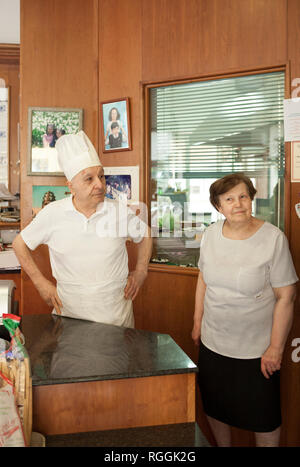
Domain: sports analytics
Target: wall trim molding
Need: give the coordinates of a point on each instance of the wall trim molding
(10, 54)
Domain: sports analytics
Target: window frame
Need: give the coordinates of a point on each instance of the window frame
(146, 187)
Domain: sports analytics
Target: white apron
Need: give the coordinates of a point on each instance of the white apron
(102, 302)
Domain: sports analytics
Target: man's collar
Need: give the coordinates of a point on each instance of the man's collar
(70, 205)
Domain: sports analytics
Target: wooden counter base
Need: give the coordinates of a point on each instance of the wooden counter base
(113, 404)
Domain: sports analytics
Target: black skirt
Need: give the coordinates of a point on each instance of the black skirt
(234, 391)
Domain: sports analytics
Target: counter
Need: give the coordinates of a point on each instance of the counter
(64, 350)
(90, 376)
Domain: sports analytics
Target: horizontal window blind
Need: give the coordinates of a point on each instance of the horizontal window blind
(208, 129)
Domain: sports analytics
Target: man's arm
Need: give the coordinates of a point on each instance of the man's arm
(137, 277)
(46, 289)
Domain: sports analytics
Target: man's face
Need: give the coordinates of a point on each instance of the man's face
(88, 186)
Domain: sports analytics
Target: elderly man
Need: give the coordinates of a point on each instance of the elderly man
(86, 234)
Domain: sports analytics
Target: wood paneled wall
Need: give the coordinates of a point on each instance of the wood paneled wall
(198, 37)
(102, 50)
(59, 68)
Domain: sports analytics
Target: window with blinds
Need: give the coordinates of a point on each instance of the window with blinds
(201, 131)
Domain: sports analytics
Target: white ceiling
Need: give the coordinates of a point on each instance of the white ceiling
(9, 21)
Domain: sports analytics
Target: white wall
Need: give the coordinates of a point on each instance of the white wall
(9, 21)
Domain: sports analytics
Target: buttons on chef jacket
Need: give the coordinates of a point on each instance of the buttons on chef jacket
(89, 224)
(86, 225)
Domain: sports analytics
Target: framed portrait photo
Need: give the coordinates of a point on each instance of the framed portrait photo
(45, 126)
(116, 131)
(122, 183)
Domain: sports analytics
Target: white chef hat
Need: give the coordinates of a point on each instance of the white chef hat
(75, 152)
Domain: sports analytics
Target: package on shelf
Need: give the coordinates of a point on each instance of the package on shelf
(15, 380)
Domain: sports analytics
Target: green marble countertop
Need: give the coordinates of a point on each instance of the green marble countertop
(66, 350)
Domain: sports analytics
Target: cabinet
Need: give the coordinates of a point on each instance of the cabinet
(10, 228)
(15, 276)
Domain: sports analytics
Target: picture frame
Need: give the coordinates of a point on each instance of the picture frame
(45, 194)
(122, 183)
(44, 122)
(115, 125)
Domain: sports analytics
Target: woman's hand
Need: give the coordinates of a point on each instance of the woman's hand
(48, 292)
(196, 333)
(199, 309)
(270, 361)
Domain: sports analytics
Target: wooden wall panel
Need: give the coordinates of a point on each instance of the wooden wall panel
(192, 37)
(166, 305)
(291, 370)
(293, 53)
(120, 69)
(153, 40)
(59, 68)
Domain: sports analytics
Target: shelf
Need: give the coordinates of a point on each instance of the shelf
(10, 225)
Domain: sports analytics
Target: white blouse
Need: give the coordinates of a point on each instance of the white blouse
(240, 276)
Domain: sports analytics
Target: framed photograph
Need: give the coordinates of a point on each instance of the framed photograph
(45, 194)
(122, 183)
(116, 131)
(45, 126)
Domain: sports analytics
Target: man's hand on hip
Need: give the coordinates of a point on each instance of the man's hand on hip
(134, 283)
(48, 292)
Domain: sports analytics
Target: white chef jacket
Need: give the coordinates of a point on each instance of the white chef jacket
(88, 257)
(239, 299)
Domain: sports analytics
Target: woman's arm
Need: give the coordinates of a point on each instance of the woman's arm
(199, 308)
(282, 323)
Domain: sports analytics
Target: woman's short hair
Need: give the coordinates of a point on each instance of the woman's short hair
(224, 184)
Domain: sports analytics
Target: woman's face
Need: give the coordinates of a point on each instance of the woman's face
(114, 114)
(236, 204)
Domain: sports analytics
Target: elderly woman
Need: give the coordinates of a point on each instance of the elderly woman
(243, 314)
